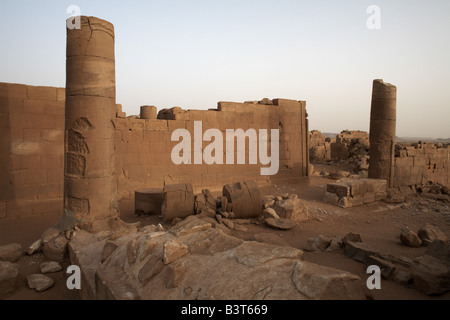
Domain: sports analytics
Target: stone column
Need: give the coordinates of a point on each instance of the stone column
(90, 181)
(382, 131)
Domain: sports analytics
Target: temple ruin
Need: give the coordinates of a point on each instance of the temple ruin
(73, 151)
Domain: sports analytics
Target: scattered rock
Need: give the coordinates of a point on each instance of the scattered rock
(429, 233)
(10, 252)
(39, 282)
(56, 249)
(335, 244)
(319, 243)
(403, 277)
(324, 283)
(294, 209)
(353, 237)
(270, 213)
(50, 267)
(175, 221)
(410, 238)
(359, 251)
(387, 268)
(431, 276)
(35, 247)
(8, 277)
(173, 250)
(208, 212)
(281, 224)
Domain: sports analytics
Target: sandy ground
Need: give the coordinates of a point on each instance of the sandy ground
(379, 225)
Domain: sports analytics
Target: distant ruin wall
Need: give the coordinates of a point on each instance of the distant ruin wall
(420, 163)
(32, 148)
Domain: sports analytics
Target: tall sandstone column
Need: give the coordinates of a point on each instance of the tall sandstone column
(382, 131)
(90, 181)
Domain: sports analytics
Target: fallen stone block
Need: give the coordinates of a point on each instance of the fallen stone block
(359, 251)
(429, 233)
(293, 209)
(245, 197)
(39, 282)
(387, 268)
(10, 252)
(8, 277)
(178, 201)
(150, 269)
(410, 238)
(431, 276)
(324, 283)
(56, 249)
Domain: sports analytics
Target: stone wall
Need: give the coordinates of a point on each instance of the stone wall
(420, 163)
(144, 146)
(348, 143)
(31, 150)
(319, 147)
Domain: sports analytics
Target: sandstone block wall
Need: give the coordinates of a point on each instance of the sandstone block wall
(420, 163)
(144, 146)
(31, 150)
(340, 150)
(319, 147)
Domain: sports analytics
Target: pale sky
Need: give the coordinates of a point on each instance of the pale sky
(194, 53)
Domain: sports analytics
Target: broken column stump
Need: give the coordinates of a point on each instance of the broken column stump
(178, 201)
(90, 181)
(382, 131)
(245, 197)
(148, 201)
